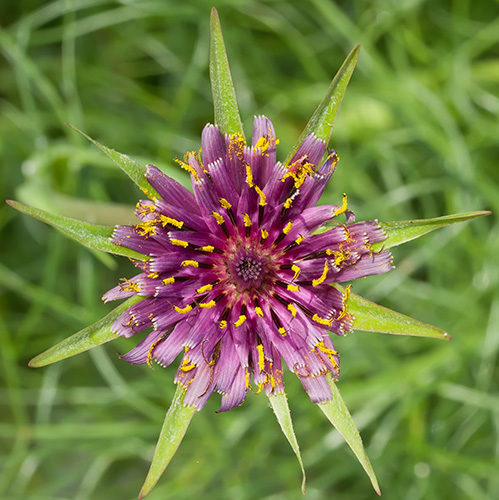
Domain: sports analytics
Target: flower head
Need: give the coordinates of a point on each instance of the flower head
(238, 278)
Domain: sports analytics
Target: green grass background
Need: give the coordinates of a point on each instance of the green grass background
(418, 137)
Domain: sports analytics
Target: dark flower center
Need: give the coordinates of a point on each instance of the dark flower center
(249, 269)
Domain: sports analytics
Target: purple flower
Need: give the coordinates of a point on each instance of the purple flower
(239, 277)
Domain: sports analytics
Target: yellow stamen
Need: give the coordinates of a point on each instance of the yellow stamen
(187, 366)
(168, 281)
(247, 379)
(323, 276)
(288, 202)
(225, 204)
(299, 239)
(293, 310)
(185, 310)
(147, 228)
(129, 286)
(322, 321)
(265, 234)
(209, 249)
(293, 288)
(192, 263)
(151, 349)
(153, 275)
(247, 220)
(345, 299)
(204, 288)
(296, 270)
(208, 305)
(240, 321)
(282, 331)
(249, 175)
(173, 222)
(220, 220)
(223, 324)
(328, 352)
(263, 198)
(259, 311)
(179, 243)
(343, 207)
(261, 357)
(189, 169)
(288, 228)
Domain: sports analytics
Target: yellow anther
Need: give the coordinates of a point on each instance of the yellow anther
(299, 239)
(249, 175)
(189, 169)
(240, 321)
(204, 288)
(153, 275)
(147, 228)
(247, 379)
(168, 281)
(298, 171)
(293, 310)
(296, 270)
(208, 305)
(263, 198)
(265, 234)
(185, 310)
(328, 352)
(345, 299)
(261, 357)
(225, 204)
(323, 276)
(151, 349)
(288, 202)
(173, 222)
(287, 227)
(259, 311)
(179, 243)
(293, 288)
(220, 220)
(262, 143)
(272, 380)
(247, 220)
(187, 366)
(129, 286)
(322, 321)
(339, 257)
(223, 324)
(209, 249)
(192, 263)
(282, 331)
(343, 207)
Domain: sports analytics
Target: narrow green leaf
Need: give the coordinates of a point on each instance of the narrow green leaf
(399, 232)
(322, 121)
(337, 413)
(91, 235)
(224, 96)
(135, 171)
(174, 428)
(91, 336)
(371, 317)
(279, 403)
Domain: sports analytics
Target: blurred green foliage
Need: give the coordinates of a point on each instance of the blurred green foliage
(418, 137)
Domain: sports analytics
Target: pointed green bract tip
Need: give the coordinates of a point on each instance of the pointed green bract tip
(226, 110)
(322, 121)
(175, 426)
(280, 406)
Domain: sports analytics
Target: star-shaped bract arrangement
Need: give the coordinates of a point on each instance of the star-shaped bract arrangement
(244, 272)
